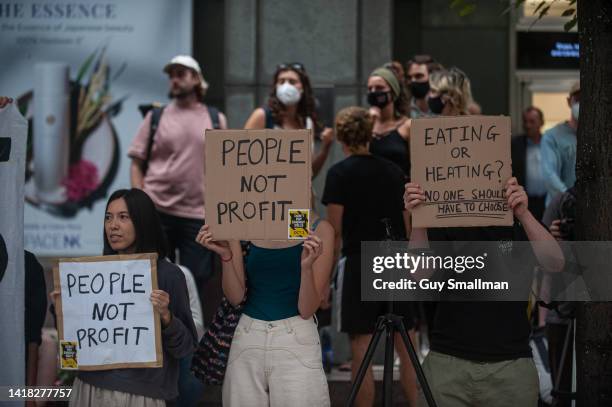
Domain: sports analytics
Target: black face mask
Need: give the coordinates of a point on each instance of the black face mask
(436, 105)
(419, 89)
(379, 99)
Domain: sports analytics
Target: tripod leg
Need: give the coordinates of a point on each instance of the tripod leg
(566, 345)
(380, 326)
(416, 364)
(388, 369)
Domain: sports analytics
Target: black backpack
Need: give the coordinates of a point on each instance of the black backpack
(156, 112)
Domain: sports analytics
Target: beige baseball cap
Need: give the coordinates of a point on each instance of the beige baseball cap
(188, 62)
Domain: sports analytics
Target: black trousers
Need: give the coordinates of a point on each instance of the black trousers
(181, 234)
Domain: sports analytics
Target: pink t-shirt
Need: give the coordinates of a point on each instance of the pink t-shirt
(175, 177)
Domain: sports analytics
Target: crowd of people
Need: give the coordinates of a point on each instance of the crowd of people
(479, 353)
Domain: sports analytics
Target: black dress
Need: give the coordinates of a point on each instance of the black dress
(394, 148)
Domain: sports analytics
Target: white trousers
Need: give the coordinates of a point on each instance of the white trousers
(275, 363)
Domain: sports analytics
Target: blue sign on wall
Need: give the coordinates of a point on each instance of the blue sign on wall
(547, 50)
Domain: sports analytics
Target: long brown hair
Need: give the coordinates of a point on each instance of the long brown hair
(401, 103)
(306, 105)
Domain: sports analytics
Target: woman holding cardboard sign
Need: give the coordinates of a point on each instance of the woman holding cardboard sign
(275, 355)
(132, 225)
(291, 106)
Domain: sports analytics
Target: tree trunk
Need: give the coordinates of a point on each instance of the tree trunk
(594, 203)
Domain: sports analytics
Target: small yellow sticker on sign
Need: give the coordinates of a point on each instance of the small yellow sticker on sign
(299, 223)
(68, 355)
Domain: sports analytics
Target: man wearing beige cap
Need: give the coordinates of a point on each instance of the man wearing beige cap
(168, 162)
(559, 150)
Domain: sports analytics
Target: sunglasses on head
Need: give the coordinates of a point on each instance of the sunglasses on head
(458, 75)
(292, 65)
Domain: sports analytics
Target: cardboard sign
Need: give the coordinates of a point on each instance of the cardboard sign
(462, 163)
(254, 178)
(104, 314)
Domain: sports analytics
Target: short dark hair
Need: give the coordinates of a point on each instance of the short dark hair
(428, 60)
(535, 109)
(150, 236)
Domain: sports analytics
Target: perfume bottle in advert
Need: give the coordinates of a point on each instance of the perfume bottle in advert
(51, 141)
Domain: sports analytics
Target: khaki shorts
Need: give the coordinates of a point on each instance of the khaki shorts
(457, 382)
(275, 363)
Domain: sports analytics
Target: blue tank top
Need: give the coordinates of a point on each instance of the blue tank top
(273, 282)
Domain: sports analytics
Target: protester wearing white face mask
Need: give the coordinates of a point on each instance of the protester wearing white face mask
(291, 105)
(559, 150)
(288, 94)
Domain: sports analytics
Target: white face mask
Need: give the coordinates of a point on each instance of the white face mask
(575, 110)
(288, 94)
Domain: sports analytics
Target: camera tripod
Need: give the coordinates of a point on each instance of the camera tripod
(390, 324)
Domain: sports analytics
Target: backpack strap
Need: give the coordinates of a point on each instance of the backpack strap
(269, 118)
(214, 117)
(156, 113)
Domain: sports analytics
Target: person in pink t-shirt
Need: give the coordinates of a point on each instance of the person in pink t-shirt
(174, 175)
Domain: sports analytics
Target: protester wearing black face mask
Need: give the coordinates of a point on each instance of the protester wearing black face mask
(418, 70)
(435, 104)
(380, 98)
(450, 93)
(389, 108)
(419, 90)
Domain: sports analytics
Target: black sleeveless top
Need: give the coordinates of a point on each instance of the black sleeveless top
(394, 148)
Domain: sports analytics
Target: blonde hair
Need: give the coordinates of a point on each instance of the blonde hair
(354, 127)
(455, 84)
